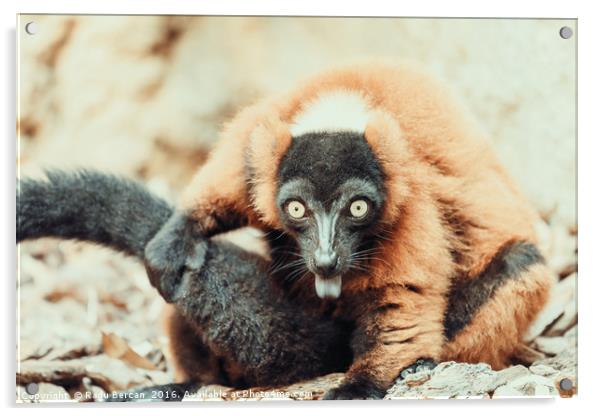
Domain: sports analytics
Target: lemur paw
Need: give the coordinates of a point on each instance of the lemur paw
(177, 248)
(422, 364)
(355, 390)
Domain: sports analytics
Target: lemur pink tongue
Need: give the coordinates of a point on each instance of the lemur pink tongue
(328, 288)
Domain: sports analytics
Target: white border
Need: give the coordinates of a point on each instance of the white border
(590, 207)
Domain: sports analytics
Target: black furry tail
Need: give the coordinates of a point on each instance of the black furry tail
(90, 206)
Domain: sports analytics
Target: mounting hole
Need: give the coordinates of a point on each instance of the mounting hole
(566, 384)
(32, 388)
(566, 32)
(31, 28)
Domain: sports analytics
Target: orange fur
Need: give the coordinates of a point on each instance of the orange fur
(450, 206)
(496, 330)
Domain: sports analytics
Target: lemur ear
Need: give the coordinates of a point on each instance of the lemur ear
(269, 142)
(389, 147)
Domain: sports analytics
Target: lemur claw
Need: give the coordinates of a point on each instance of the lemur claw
(421, 365)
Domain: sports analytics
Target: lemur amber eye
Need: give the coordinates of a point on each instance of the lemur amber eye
(358, 208)
(296, 209)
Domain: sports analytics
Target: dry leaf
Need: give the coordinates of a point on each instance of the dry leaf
(116, 347)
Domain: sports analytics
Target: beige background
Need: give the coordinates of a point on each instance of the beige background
(146, 95)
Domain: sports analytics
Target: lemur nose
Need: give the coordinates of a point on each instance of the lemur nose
(326, 262)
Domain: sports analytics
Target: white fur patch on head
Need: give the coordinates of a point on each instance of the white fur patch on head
(338, 110)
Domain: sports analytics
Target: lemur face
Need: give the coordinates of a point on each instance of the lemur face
(330, 196)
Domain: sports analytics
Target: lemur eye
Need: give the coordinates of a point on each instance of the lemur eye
(296, 209)
(358, 208)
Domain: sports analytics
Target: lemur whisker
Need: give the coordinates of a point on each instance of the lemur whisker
(358, 267)
(369, 258)
(296, 275)
(381, 237)
(282, 234)
(368, 251)
(292, 253)
(287, 266)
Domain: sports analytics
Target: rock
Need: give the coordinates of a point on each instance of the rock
(417, 379)
(562, 366)
(512, 373)
(543, 370)
(461, 380)
(564, 363)
(528, 385)
(505, 391)
(449, 380)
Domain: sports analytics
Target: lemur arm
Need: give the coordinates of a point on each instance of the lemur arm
(213, 203)
(400, 305)
(391, 335)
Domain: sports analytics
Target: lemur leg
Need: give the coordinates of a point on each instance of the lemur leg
(390, 338)
(191, 359)
(495, 330)
(226, 297)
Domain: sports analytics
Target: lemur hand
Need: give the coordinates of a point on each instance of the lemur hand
(355, 390)
(365, 389)
(178, 247)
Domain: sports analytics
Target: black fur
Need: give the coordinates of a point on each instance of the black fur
(327, 172)
(356, 389)
(90, 206)
(224, 293)
(467, 296)
(170, 253)
(253, 326)
(328, 159)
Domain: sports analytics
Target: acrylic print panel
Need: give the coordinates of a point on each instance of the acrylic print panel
(388, 210)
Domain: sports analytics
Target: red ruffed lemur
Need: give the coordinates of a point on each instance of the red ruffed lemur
(396, 238)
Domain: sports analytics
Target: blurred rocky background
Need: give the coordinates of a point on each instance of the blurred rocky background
(145, 96)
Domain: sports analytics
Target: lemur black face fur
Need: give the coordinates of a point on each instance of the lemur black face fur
(331, 194)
